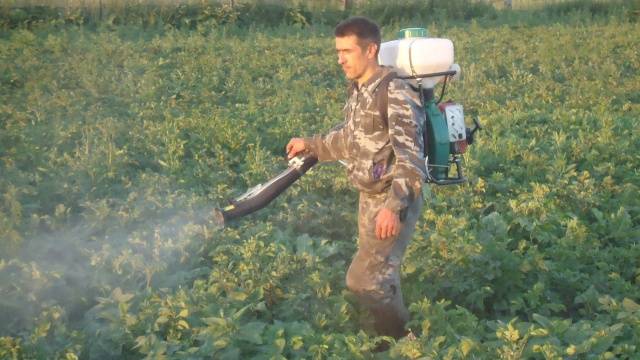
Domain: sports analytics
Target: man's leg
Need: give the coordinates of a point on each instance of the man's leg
(374, 273)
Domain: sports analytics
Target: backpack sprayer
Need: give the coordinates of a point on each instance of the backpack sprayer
(423, 62)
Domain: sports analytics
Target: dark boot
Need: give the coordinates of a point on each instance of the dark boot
(388, 322)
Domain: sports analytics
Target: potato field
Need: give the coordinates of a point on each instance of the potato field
(118, 140)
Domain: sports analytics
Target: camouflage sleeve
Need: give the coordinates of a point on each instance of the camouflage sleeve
(406, 120)
(330, 147)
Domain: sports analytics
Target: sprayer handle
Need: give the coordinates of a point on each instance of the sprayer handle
(471, 132)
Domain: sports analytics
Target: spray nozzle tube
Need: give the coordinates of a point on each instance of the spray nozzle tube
(260, 195)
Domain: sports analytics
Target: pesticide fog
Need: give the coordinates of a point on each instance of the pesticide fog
(68, 269)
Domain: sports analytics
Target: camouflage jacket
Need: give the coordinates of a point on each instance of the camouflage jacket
(380, 157)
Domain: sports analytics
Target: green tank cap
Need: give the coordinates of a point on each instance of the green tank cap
(412, 33)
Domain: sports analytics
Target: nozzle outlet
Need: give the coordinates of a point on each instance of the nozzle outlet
(218, 217)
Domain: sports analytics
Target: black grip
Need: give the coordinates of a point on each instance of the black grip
(265, 195)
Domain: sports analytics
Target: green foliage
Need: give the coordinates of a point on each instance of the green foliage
(116, 143)
(427, 11)
(208, 14)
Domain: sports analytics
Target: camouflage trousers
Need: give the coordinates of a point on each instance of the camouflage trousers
(374, 273)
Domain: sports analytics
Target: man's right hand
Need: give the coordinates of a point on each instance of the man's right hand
(294, 147)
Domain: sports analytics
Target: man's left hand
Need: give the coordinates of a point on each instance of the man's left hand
(387, 224)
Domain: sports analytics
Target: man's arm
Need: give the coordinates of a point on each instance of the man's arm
(405, 119)
(330, 147)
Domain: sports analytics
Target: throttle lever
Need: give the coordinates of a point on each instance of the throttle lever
(471, 132)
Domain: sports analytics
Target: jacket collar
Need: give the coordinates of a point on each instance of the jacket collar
(372, 83)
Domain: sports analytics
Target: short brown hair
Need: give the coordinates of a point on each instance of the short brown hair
(364, 29)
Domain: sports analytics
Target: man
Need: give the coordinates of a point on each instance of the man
(384, 162)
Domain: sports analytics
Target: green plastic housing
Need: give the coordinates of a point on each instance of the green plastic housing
(438, 141)
(412, 33)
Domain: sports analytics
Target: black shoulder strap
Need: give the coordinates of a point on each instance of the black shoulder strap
(382, 94)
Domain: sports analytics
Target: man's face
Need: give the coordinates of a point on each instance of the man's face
(354, 59)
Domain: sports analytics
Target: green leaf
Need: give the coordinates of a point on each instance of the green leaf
(546, 323)
(182, 324)
(162, 320)
(119, 296)
(231, 353)
(215, 321)
(539, 332)
(238, 295)
(252, 332)
(238, 314)
(494, 224)
(280, 343)
(466, 345)
(630, 305)
(304, 244)
(221, 343)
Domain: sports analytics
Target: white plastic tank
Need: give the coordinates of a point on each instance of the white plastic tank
(418, 56)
